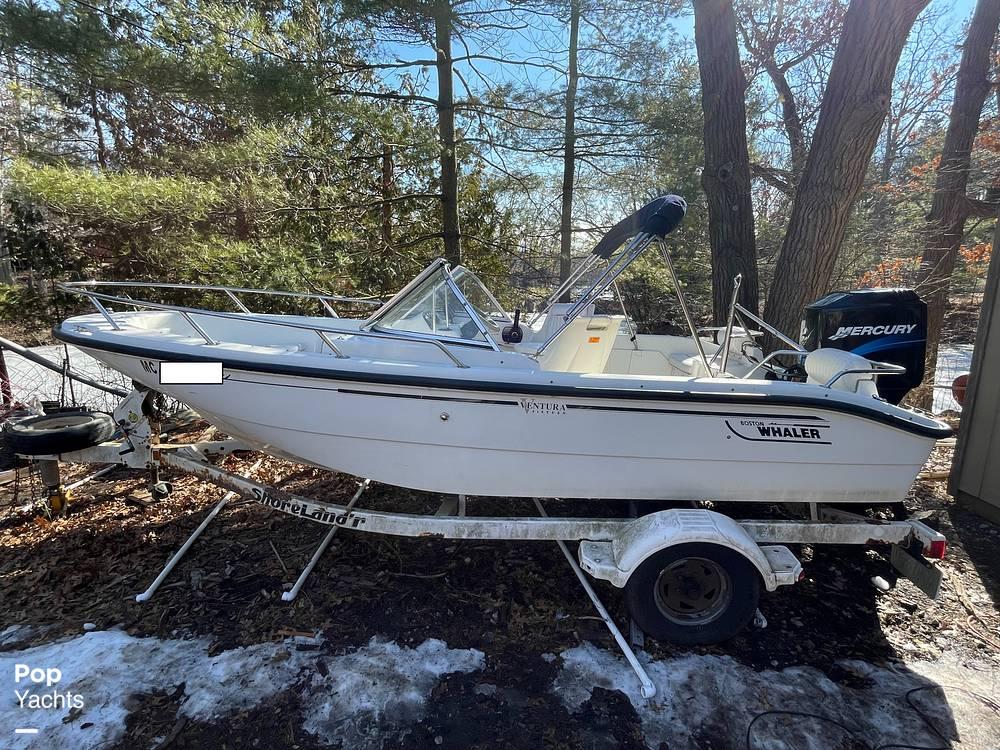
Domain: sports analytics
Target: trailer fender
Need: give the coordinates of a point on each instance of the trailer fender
(615, 561)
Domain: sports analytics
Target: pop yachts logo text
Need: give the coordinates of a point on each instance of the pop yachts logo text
(532, 406)
(28, 695)
(885, 330)
(780, 431)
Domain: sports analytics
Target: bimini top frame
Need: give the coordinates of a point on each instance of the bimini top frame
(649, 225)
(625, 242)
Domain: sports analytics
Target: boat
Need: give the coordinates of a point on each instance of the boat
(443, 390)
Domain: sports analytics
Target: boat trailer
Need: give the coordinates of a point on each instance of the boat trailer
(610, 549)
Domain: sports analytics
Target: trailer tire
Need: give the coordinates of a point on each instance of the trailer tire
(694, 593)
(59, 433)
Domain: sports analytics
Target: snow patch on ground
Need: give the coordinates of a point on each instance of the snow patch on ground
(380, 681)
(716, 698)
(14, 634)
(952, 361)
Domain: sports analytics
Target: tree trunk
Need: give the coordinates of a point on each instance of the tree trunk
(102, 150)
(451, 229)
(855, 103)
(949, 207)
(726, 179)
(789, 117)
(9, 112)
(889, 155)
(387, 188)
(569, 152)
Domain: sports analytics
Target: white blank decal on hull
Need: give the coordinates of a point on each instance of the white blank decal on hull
(190, 373)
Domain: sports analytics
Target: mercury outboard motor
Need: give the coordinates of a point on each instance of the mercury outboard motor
(884, 325)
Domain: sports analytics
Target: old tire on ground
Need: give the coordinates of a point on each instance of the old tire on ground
(161, 490)
(59, 433)
(693, 594)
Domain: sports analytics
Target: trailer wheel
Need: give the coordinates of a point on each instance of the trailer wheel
(59, 433)
(693, 593)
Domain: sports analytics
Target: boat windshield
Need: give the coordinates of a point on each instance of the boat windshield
(433, 308)
(480, 297)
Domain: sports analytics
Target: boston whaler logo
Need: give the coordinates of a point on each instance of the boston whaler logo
(844, 331)
(534, 406)
(781, 430)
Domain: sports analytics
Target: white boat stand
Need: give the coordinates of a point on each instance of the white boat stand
(646, 687)
(287, 596)
(146, 595)
(293, 592)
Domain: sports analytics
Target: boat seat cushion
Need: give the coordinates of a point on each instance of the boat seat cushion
(262, 349)
(823, 364)
(552, 321)
(584, 346)
(688, 365)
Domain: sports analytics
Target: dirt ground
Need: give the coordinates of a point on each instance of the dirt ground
(514, 601)
(26, 335)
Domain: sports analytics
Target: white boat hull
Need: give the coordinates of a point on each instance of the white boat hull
(505, 443)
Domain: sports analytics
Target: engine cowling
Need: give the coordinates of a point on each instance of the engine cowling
(883, 325)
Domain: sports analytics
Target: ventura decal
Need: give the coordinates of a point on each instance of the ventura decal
(533, 406)
(844, 331)
(783, 431)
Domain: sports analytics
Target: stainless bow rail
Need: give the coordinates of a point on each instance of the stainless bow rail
(229, 291)
(88, 289)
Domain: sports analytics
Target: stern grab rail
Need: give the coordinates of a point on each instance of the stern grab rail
(876, 370)
(96, 298)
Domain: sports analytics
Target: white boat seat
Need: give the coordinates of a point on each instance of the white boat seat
(688, 365)
(263, 349)
(552, 321)
(137, 331)
(823, 364)
(584, 346)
